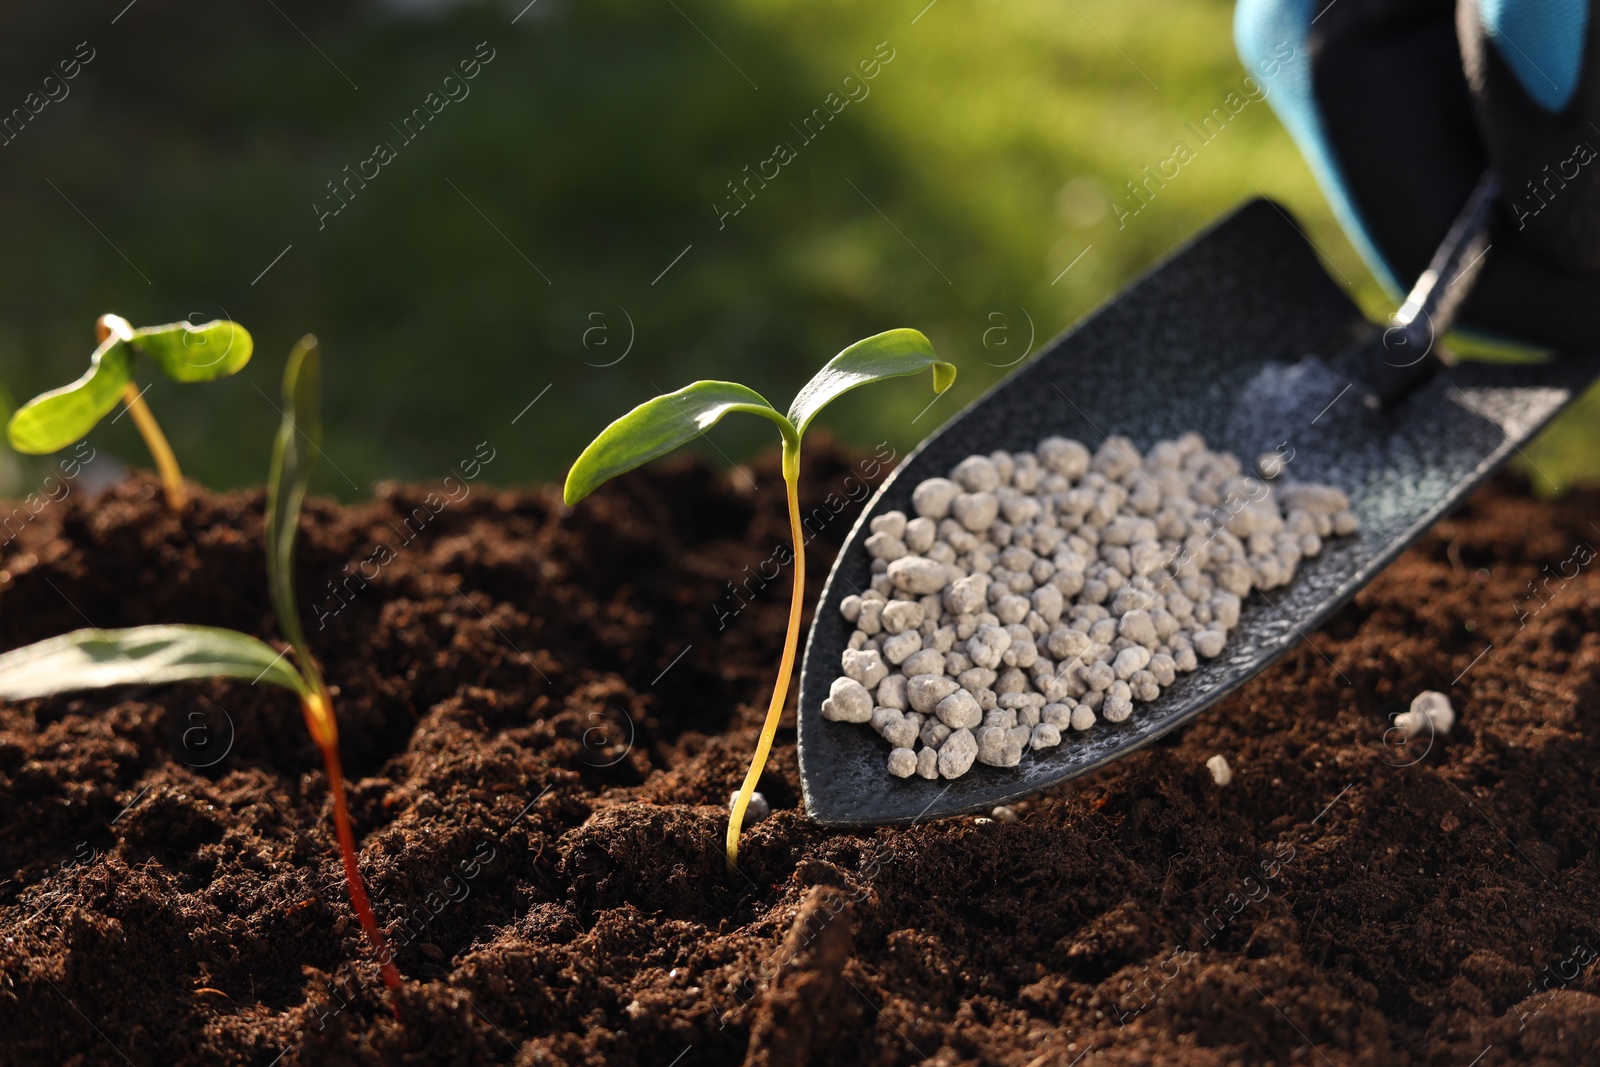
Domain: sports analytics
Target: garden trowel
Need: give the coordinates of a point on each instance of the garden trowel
(1241, 336)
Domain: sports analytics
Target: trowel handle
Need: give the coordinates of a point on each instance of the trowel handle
(1430, 308)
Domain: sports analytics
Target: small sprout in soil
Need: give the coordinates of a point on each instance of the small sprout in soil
(148, 655)
(668, 422)
(1034, 594)
(1431, 713)
(52, 421)
(1221, 773)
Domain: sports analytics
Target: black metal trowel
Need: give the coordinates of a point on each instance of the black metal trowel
(1241, 336)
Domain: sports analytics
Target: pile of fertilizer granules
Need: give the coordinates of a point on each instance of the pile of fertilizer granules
(1037, 592)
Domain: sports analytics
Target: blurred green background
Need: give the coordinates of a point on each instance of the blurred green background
(555, 234)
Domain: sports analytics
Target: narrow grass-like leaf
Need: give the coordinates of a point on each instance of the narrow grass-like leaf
(52, 421)
(893, 354)
(299, 439)
(143, 655)
(201, 353)
(660, 425)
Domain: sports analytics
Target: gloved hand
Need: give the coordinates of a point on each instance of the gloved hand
(1400, 105)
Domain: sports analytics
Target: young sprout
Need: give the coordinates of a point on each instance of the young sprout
(661, 425)
(149, 655)
(52, 421)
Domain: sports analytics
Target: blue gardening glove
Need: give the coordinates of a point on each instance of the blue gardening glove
(1400, 105)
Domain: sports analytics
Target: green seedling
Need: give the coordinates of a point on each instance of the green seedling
(666, 423)
(148, 655)
(52, 421)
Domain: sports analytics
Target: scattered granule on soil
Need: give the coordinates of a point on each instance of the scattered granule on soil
(755, 809)
(1038, 593)
(1221, 773)
(1430, 713)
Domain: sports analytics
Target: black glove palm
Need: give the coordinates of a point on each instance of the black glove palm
(1400, 105)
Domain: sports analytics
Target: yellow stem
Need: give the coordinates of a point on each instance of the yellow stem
(780, 692)
(160, 451)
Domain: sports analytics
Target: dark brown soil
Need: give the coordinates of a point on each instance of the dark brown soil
(542, 722)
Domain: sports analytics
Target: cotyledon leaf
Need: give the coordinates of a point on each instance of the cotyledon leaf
(660, 425)
(52, 421)
(143, 655)
(200, 353)
(892, 354)
(299, 438)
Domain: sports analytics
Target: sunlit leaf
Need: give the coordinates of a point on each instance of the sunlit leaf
(52, 421)
(299, 439)
(200, 353)
(660, 425)
(143, 655)
(893, 354)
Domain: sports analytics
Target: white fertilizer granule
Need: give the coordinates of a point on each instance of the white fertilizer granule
(755, 809)
(1221, 773)
(1034, 594)
(1430, 713)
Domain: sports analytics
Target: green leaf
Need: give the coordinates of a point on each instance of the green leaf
(201, 353)
(886, 355)
(143, 655)
(52, 421)
(661, 425)
(299, 439)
